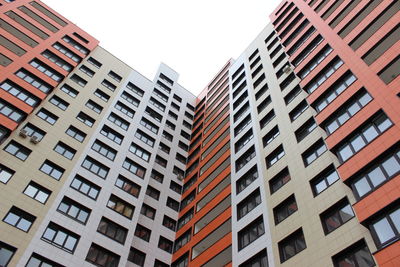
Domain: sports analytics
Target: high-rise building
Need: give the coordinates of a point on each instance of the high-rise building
(289, 157)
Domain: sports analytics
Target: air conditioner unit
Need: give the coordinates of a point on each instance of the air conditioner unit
(180, 177)
(287, 69)
(35, 139)
(23, 133)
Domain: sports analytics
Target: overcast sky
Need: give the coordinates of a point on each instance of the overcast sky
(195, 38)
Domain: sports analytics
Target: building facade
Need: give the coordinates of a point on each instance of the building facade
(289, 157)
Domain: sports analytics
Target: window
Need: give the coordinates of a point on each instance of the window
(142, 232)
(64, 150)
(19, 151)
(57, 60)
(160, 95)
(185, 219)
(95, 167)
(20, 93)
(94, 106)
(170, 125)
(120, 206)
(124, 109)
(149, 125)
(382, 170)
(361, 137)
(161, 161)
(323, 180)
(298, 110)
(6, 253)
(76, 133)
(47, 116)
(250, 233)
(87, 71)
(67, 52)
(59, 102)
(158, 263)
(276, 155)
(134, 168)
(115, 76)
(109, 85)
(245, 158)
(152, 192)
(39, 65)
(157, 176)
(52, 169)
(32, 130)
(291, 245)
(86, 119)
(148, 211)
(74, 210)
(183, 261)
(168, 80)
(112, 230)
(279, 180)
(104, 150)
(112, 135)
(173, 204)
(305, 129)
(165, 244)
(37, 192)
(157, 104)
(242, 125)
(136, 256)
(317, 59)
(285, 209)
(336, 216)
(102, 257)
(248, 204)
(246, 179)
(357, 255)
(69, 90)
(167, 136)
(5, 174)
(164, 147)
(128, 186)
(135, 89)
(79, 80)
(117, 120)
(94, 62)
(19, 219)
(169, 223)
(100, 94)
(243, 140)
(36, 260)
(242, 111)
(348, 110)
(85, 187)
(307, 50)
(11, 112)
(314, 152)
(292, 95)
(322, 76)
(153, 114)
(386, 228)
(258, 260)
(175, 187)
(76, 45)
(130, 99)
(270, 136)
(34, 81)
(267, 119)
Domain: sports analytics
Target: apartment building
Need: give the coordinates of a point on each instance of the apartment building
(288, 157)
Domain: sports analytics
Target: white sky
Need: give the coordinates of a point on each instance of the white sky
(195, 38)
